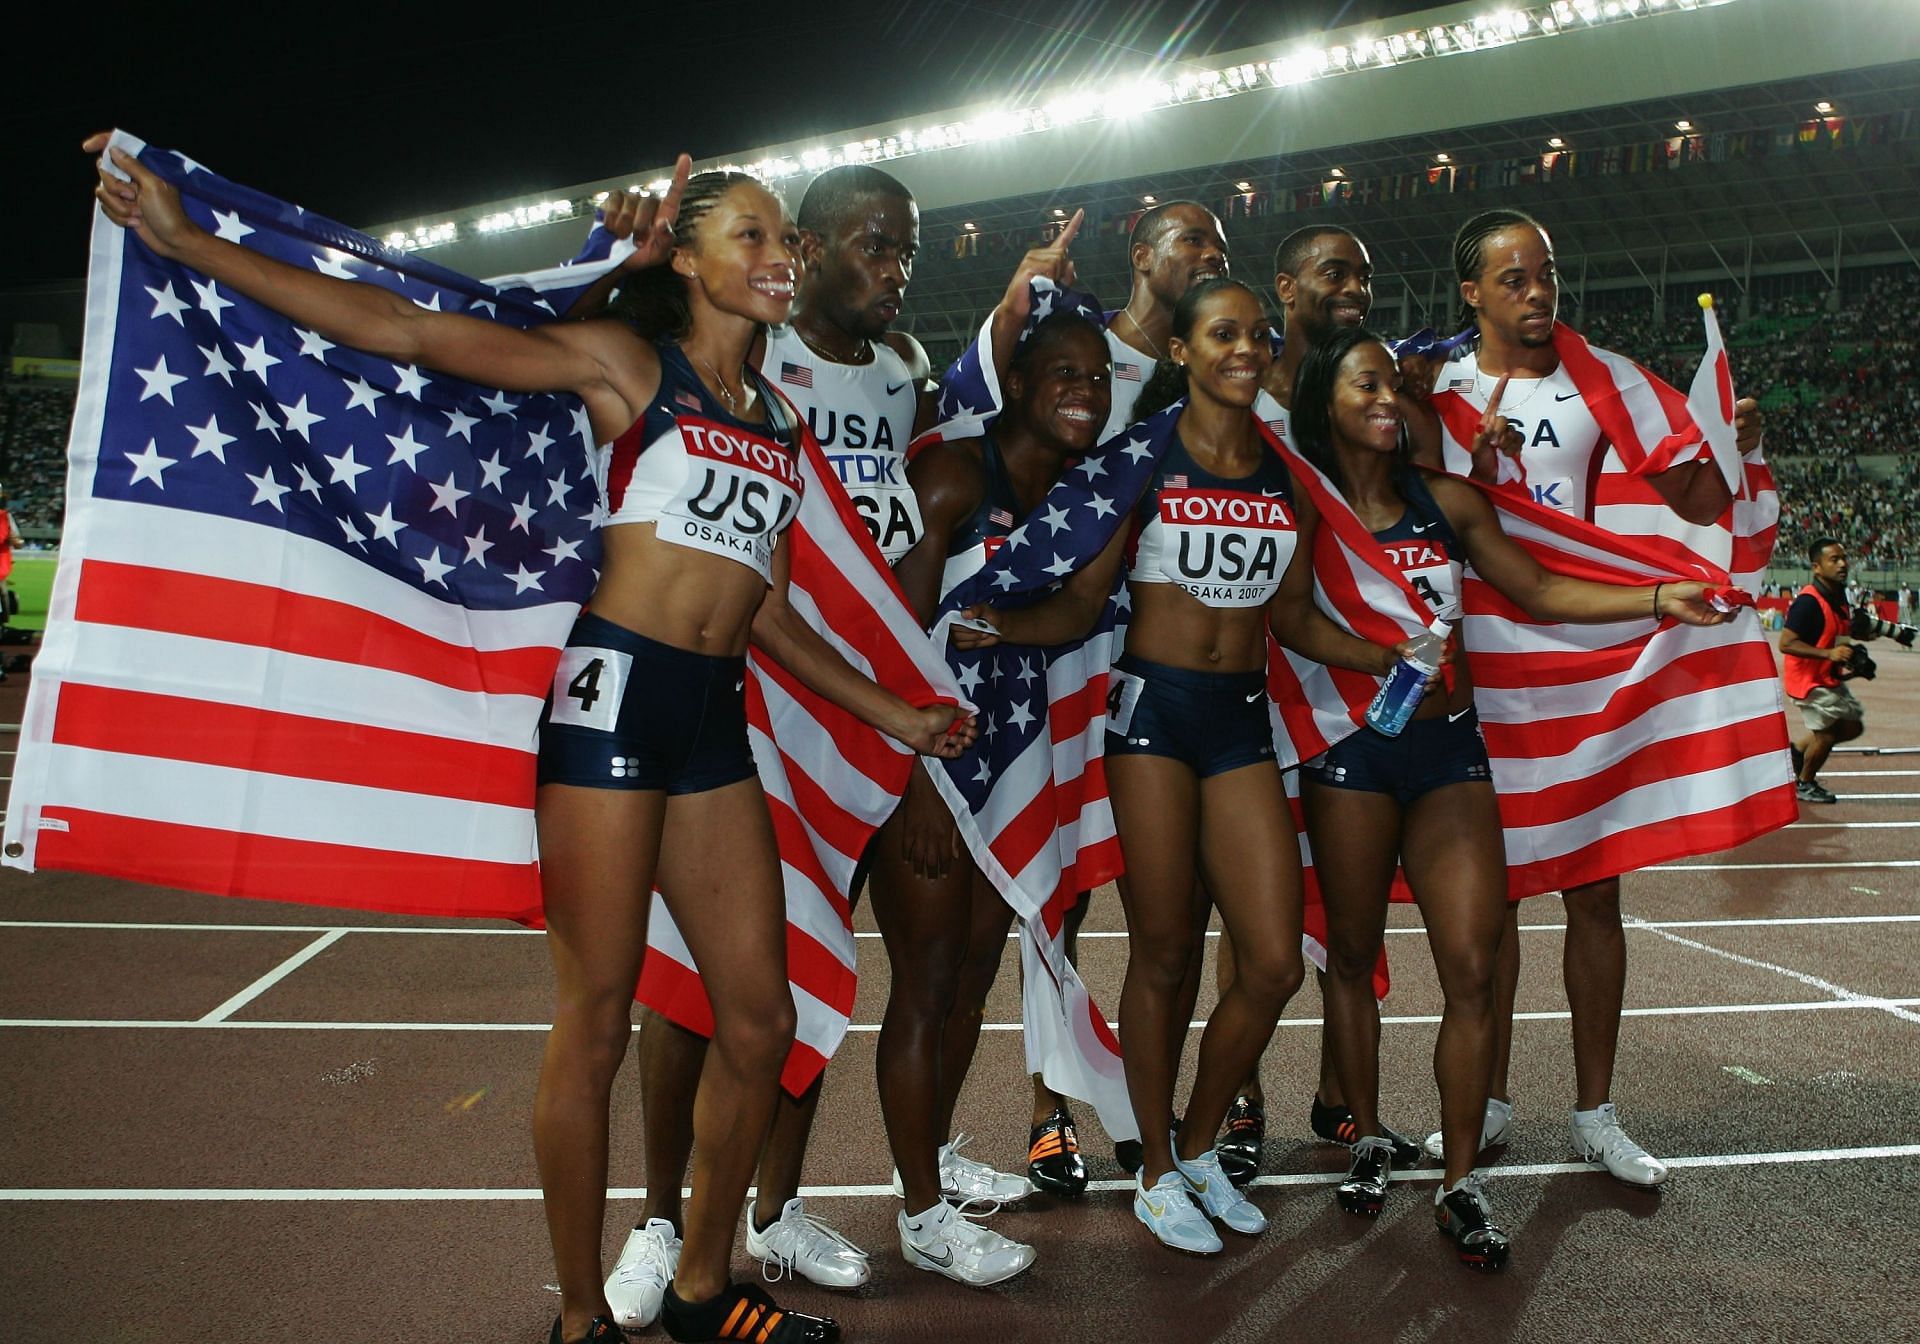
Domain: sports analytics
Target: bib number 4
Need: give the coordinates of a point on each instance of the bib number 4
(588, 687)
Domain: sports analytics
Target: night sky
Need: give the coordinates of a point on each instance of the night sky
(380, 119)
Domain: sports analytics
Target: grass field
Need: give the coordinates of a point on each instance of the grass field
(33, 581)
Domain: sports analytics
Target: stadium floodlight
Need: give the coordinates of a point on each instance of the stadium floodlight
(1339, 172)
(1555, 142)
(1151, 200)
(1443, 158)
(1683, 125)
(1244, 186)
(1121, 99)
(1823, 108)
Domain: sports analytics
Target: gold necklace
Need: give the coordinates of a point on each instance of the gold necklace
(1157, 352)
(720, 386)
(866, 347)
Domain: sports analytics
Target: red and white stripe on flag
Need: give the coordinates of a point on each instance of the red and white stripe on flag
(830, 779)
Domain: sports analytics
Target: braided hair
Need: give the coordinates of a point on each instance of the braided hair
(1469, 247)
(1168, 382)
(654, 301)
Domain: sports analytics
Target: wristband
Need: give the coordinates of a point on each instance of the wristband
(1656, 600)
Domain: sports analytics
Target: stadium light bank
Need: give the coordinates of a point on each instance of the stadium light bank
(1297, 65)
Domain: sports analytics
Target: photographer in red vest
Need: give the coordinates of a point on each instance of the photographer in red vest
(1820, 660)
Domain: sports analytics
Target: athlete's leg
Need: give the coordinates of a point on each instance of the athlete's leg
(1356, 843)
(778, 1179)
(1451, 849)
(1251, 858)
(598, 848)
(989, 920)
(731, 911)
(1223, 972)
(1156, 804)
(1506, 986)
(1595, 967)
(671, 1058)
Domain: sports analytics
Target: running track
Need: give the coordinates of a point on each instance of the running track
(232, 1120)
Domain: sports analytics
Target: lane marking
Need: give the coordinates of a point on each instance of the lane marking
(1867, 774)
(1876, 797)
(1852, 825)
(1774, 867)
(452, 1194)
(868, 1028)
(1839, 992)
(273, 977)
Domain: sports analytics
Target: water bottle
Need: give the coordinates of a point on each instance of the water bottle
(1400, 693)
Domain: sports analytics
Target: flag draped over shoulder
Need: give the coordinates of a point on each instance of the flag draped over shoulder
(1619, 746)
(830, 780)
(309, 601)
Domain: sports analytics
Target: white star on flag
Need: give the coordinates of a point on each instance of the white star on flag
(159, 381)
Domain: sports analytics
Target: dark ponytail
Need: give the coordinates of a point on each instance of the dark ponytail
(1311, 421)
(1168, 382)
(1469, 245)
(654, 301)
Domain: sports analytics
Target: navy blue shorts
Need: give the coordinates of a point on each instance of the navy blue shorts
(1211, 722)
(1429, 755)
(628, 712)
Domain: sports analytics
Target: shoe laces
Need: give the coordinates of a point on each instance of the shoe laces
(793, 1237)
(650, 1265)
(1606, 1135)
(972, 1179)
(1474, 1186)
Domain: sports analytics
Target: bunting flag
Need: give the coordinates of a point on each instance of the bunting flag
(1620, 746)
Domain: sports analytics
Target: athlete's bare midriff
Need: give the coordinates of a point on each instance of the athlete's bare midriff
(688, 599)
(1172, 627)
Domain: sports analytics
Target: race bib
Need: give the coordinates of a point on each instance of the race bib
(1123, 697)
(1428, 569)
(876, 483)
(1225, 547)
(740, 492)
(588, 687)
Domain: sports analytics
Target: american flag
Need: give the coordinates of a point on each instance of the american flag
(1126, 373)
(309, 600)
(798, 375)
(1620, 746)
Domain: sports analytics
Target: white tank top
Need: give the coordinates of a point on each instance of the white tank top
(1560, 439)
(1227, 542)
(862, 414)
(1131, 369)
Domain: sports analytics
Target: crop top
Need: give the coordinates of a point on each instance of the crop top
(705, 478)
(987, 528)
(1424, 548)
(1226, 541)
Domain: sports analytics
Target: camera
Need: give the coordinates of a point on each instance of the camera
(1860, 667)
(1865, 625)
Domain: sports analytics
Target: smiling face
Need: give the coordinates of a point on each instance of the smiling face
(1062, 388)
(1228, 349)
(1517, 290)
(857, 273)
(1188, 248)
(745, 257)
(1331, 287)
(1364, 411)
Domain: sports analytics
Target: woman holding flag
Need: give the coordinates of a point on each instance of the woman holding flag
(1424, 800)
(644, 736)
(1216, 538)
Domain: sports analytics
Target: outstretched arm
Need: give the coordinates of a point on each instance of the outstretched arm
(1543, 595)
(1010, 315)
(559, 357)
(784, 635)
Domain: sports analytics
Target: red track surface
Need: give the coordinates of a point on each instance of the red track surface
(344, 1154)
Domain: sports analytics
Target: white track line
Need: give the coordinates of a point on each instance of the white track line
(1839, 992)
(1852, 825)
(868, 1028)
(431, 1195)
(273, 977)
(1773, 867)
(1867, 774)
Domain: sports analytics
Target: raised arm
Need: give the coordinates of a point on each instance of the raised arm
(608, 366)
(1543, 595)
(1011, 313)
(784, 635)
(1297, 621)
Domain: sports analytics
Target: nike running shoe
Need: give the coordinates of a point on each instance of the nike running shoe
(1598, 1138)
(966, 1181)
(1168, 1210)
(1218, 1196)
(798, 1243)
(1808, 791)
(945, 1241)
(1054, 1163)
(1335, 1124)
(1495, 1130)
(1365, 1190)
(743, 1311)
(641, 1275)
(1464, 1214)
(600, 1330)
(1241, 1146)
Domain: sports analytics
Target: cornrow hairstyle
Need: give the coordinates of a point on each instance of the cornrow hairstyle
(1293, 248)
(1312, 410)
(1469, 245)
(654, 301)
(1817, 545)
(833, 194)
(1168, 382)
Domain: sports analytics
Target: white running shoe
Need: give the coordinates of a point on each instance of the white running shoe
(1598, 1138)
(1168, 1210)
(1496, 1129)
(798, 1243)
(640, 1278)
(968, 1182)
(945, 1241)
(1220, 1197)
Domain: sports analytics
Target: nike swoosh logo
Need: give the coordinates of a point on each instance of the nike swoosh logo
(944, 1259)
(1199, 1187)
(1421, 527)
(1255, 696)
(1455, 718)
(1565, 396)
(894, 388)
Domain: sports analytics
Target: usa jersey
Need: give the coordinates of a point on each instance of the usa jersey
(1562, 448)
(1131, 369)
(862, 414)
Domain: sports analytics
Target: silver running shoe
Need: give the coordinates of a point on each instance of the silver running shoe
(945, 1241)
(1168, 1210)
(1218, 1196)
(1495, 1130)
(639, 1280)
(968, 1183)
(798, 1243)
(1602, 1142)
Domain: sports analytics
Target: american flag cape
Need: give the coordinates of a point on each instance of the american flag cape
(1620, 746)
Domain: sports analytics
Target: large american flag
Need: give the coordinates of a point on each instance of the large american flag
(1620, 746)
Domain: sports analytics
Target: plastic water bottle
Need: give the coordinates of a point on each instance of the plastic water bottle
(1401, 692)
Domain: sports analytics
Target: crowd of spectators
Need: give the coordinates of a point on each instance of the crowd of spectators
(34, 416)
